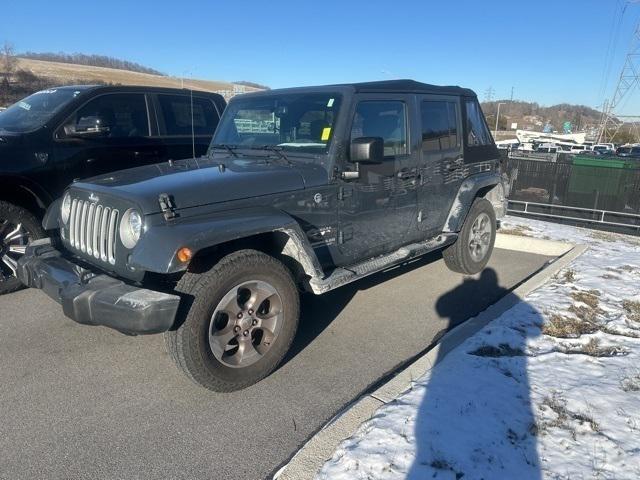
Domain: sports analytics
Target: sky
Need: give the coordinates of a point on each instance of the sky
(549, 51)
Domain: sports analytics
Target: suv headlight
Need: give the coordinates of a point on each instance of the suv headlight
(65, 209)
(130, 228)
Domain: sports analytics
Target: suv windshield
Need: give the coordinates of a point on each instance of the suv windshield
(35, 110)
(297, 123)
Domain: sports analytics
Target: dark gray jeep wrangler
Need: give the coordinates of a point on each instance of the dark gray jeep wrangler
(308, 188)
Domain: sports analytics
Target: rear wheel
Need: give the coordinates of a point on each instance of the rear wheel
(238, 321)
(18, 227)
(472, 250)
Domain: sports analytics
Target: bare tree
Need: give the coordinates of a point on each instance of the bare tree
(8, 60)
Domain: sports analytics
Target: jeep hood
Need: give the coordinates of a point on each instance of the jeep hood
(196, 182)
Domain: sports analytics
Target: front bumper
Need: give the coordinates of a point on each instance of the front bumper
(95, 299)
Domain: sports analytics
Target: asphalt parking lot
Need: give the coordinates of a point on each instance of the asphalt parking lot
(87, 402)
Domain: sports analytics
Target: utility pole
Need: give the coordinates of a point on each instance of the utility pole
(495, 133)
(488, 94)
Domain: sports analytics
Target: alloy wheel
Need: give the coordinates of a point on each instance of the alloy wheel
(480, 237)
(13, 244)
(245, 323)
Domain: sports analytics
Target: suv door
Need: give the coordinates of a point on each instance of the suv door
(378, 209)
(441, 160)
(176, 115)
(109, 132)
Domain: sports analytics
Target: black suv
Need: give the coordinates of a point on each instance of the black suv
(307, 188)
(60, 134)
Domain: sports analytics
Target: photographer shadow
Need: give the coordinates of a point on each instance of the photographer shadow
(475, 418)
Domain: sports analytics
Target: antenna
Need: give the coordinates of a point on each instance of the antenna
(193, 135)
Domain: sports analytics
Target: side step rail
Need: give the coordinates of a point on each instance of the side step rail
(343, 275)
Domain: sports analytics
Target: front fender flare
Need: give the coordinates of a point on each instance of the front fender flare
(156, 251)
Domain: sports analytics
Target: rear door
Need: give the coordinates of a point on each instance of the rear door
(107, 133)
(185, 123)
(441, 159)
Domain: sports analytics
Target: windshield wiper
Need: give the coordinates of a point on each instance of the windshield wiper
(229, 148)
(277, 150)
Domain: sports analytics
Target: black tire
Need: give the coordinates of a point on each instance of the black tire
(12, 216)
(189, 342)
(458, 256)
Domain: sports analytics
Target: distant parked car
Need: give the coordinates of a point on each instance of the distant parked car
(603, 148)
(628, 151)
(60, 134)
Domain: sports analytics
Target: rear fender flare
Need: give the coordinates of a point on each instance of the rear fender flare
(472, 187)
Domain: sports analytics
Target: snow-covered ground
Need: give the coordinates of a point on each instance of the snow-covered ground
(550, 389)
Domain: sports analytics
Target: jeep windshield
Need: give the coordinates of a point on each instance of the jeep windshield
(289, 123)
(35, 110)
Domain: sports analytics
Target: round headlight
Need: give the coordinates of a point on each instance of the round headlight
(130, 228)
(65, 210)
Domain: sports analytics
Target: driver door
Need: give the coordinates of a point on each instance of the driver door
(378, 209)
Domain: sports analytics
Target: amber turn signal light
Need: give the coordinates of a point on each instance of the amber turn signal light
(184, 254)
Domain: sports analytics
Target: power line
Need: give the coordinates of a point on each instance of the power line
(627, 82)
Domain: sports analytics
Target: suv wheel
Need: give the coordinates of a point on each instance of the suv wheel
(472, 250)
(238, 321)
(17, 228)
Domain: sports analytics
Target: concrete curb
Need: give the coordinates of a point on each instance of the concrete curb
(308, 461)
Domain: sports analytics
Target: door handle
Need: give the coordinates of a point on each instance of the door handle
(91, 160)
(406, 174)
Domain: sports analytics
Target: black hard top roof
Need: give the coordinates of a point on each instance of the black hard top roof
(406, 85)
(383, 86)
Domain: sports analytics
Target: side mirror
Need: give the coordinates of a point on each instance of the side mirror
(92, 133)
(93, 126)
(367, 150)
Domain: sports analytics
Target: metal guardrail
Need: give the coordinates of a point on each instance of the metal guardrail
(599, 216)
(603, 192)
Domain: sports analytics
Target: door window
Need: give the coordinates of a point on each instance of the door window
(439, 126)
(178, 116)
(115, 115)
(383, 119)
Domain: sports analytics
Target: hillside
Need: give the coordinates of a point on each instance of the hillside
(532, 116)
(28, 76)
(65, 72)
(95, 60)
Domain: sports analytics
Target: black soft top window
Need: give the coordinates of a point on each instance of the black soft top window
(478, 142)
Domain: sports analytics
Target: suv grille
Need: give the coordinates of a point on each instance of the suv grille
(93, 229)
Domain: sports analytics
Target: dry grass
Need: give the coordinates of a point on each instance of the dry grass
(627, 268)
(631, 383)
(588, 297)
(569, 275)
(561, 326)
(632, 309)
(564, 416)
(593, 349)
(519, 230)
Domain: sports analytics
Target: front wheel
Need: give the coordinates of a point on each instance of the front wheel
(472, 250)
(238, 321)
(18, 227)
